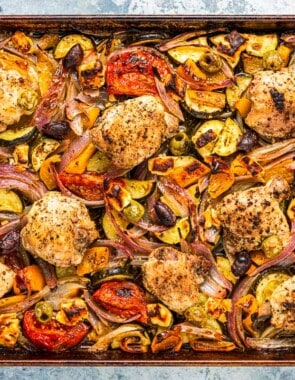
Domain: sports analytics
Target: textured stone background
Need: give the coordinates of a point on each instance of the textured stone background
(33, 7)
(147, 7)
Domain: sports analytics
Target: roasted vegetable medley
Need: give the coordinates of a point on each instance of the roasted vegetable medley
(147, 191)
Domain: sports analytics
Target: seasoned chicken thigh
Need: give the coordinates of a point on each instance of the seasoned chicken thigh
(272, 94)
(58, 230)
(250, 216)
(19, 89)
(175, 277)
(282, 302)
(6, 279)
(131, 131)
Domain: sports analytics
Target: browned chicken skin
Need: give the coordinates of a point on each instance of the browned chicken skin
(250, 216)
(131, 131)
(175, 277)
(272, 113)
(282, 303)
(59, 230)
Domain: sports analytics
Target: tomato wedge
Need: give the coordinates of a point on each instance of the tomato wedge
(87, 185)
(123, 298)
(52, 336)
(132, 71)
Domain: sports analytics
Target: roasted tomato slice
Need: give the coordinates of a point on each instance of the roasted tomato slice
(52, 336)
(88, 185)
(132, 71)
(123, 298)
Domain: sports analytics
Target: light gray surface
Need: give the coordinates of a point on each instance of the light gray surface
(147, 7)
(22, 7)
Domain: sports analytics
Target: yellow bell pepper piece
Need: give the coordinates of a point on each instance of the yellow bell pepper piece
(94, 259)
(32, 277)
(79, 164)
(243, 105)
(45, 172)
(91, 114)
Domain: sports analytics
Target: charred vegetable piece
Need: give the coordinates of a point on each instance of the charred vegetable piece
(133, 342)
(184, 170)
(131, 71)
(228, 139)
(167, 340)
(206, 137)
(230, 46)
(87, 185)
(204, 104)
(159, 315)
(9, 330)
(123, 298)
(53, 336)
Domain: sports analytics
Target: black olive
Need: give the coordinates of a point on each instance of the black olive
(56, 129)
(241, 264)
(261, 322)
(164, 214)
(74, 57)
(248, 141)
(10, 242)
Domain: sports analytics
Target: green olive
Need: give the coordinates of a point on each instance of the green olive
(134, 211)
(272, 60)
(43, 311)
(65, 271)
(210, 62)
(179, 144)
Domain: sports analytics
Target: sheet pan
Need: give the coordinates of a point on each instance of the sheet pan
(103, 25)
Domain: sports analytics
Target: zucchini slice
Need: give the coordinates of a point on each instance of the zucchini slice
(267, 284)
(67, 42)
(181, 54)
(175, 234)
(119, 271)
(41, 149)
(235, 91)
(10, 201)
(258, 45)
(13, 137)
(204, 104)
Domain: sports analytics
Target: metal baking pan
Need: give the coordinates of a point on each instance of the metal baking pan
(103, 25)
